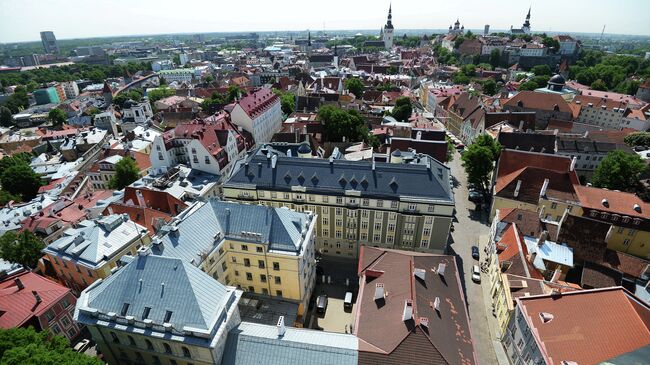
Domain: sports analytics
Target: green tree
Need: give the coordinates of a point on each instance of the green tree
(25, 346)
(451, 147)
(392, 70)
(234, 92)
(287, 103)
(489, 87)
(57, 117)
(21, 180)
(495, 58)
(208, 79)
(460, 78)
(214, 103)
(619, 171)
(18, 100)
(160, 93)
(126, 172)
(23, 248)
(599, 85)
(403, 109)
(638, 139)
(541, 70)
(478, 163)
(489, 142)
(528, 85)
(342, 124)
(6, 119)
(355, 86)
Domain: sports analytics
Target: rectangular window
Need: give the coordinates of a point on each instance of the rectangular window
(365, 202)
(278, 293)
(278, 280)
(276, 266)
(207, 160)
(49, 315)
(249, 276)
(244, 247)
(261, 264)
(339, 200)
(376, 237)
(259, 249)
(286, 196)
(247, 262)
(380, 203)
(263, 278)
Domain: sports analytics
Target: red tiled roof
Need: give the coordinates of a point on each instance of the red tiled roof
(560, 185)
(514, 251)
(513, 160)
(588, 326)
(618, 202)
(384, 336)
(258, 102)
(19, 306)
(158, 200)
(541, 101)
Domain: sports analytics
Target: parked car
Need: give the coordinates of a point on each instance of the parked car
(475, 252)
(476, 274)
(321, 303)
(82, 345)
(347, 302)
(474, 196)
(460, 146)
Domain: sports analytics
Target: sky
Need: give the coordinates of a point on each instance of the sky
(23, 20)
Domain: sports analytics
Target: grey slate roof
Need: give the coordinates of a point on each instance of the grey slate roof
(252, 343)
(279, 228)
(164, 285)
(386, 180)
(96, 241)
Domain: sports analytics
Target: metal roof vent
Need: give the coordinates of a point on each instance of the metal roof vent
(441, 268)
(281, 328)
(420, 273)
(407, 314)
(637, 208)
(436, 304)
(546, 317)
(379, 291)
(424, 321)
(605, 203)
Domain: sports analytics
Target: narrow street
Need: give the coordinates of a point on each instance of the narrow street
(468, 228)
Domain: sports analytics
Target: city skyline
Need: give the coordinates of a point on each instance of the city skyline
(80, 19)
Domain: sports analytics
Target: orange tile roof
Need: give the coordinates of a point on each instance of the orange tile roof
(588, 326)
(512, 160)
(618, 202)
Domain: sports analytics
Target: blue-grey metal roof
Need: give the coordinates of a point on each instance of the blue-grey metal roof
(549, 251)
(93, 242)
(252, 343)
(164, 285)
(206, 222)
(424, 178)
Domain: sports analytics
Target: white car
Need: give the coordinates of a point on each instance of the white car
(476, 274)
(82, 345)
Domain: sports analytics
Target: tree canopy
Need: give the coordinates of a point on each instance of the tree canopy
(18, 179)
(25, 346)
(403, 109)
(541, 70)
(57, 117)
(342, 124)
(18, 100)
(355, 86)
(126, 172)
(489, 87)
(160, 93)
(121, 98)
(6, 119)
(495, 58)
(23, 248)
(478, 160)
(638, 139)
(619, 171)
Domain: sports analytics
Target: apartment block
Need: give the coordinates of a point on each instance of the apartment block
(408, 204)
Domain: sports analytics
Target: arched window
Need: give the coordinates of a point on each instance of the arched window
(131, 341)
(149, 344)
(168, 349)
(186, 352)
(114, 337)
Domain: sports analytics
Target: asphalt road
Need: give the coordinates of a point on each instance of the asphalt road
(469, 225)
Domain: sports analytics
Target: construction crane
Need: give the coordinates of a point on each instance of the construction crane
(601, 34)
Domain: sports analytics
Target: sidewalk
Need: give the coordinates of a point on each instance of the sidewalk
(493, 326)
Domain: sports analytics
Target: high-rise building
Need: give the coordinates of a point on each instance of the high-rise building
(49, 42)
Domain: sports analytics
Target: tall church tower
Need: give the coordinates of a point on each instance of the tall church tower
(526, 27)
(388, 29)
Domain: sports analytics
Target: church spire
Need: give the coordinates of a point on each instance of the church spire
(528, 16)
(389, 23)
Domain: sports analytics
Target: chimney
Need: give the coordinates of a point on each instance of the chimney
(274, 161)
(408, 310)
(141, 202)
(556, 275)
(542, 238)
(436, 304)
(521, 125)
(379, 291)
(516, 194)
(36, 296)
(19, 284)
(542, 192)
(281, 328)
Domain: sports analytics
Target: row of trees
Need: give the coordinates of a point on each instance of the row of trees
(609, 72)
(96, 73)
